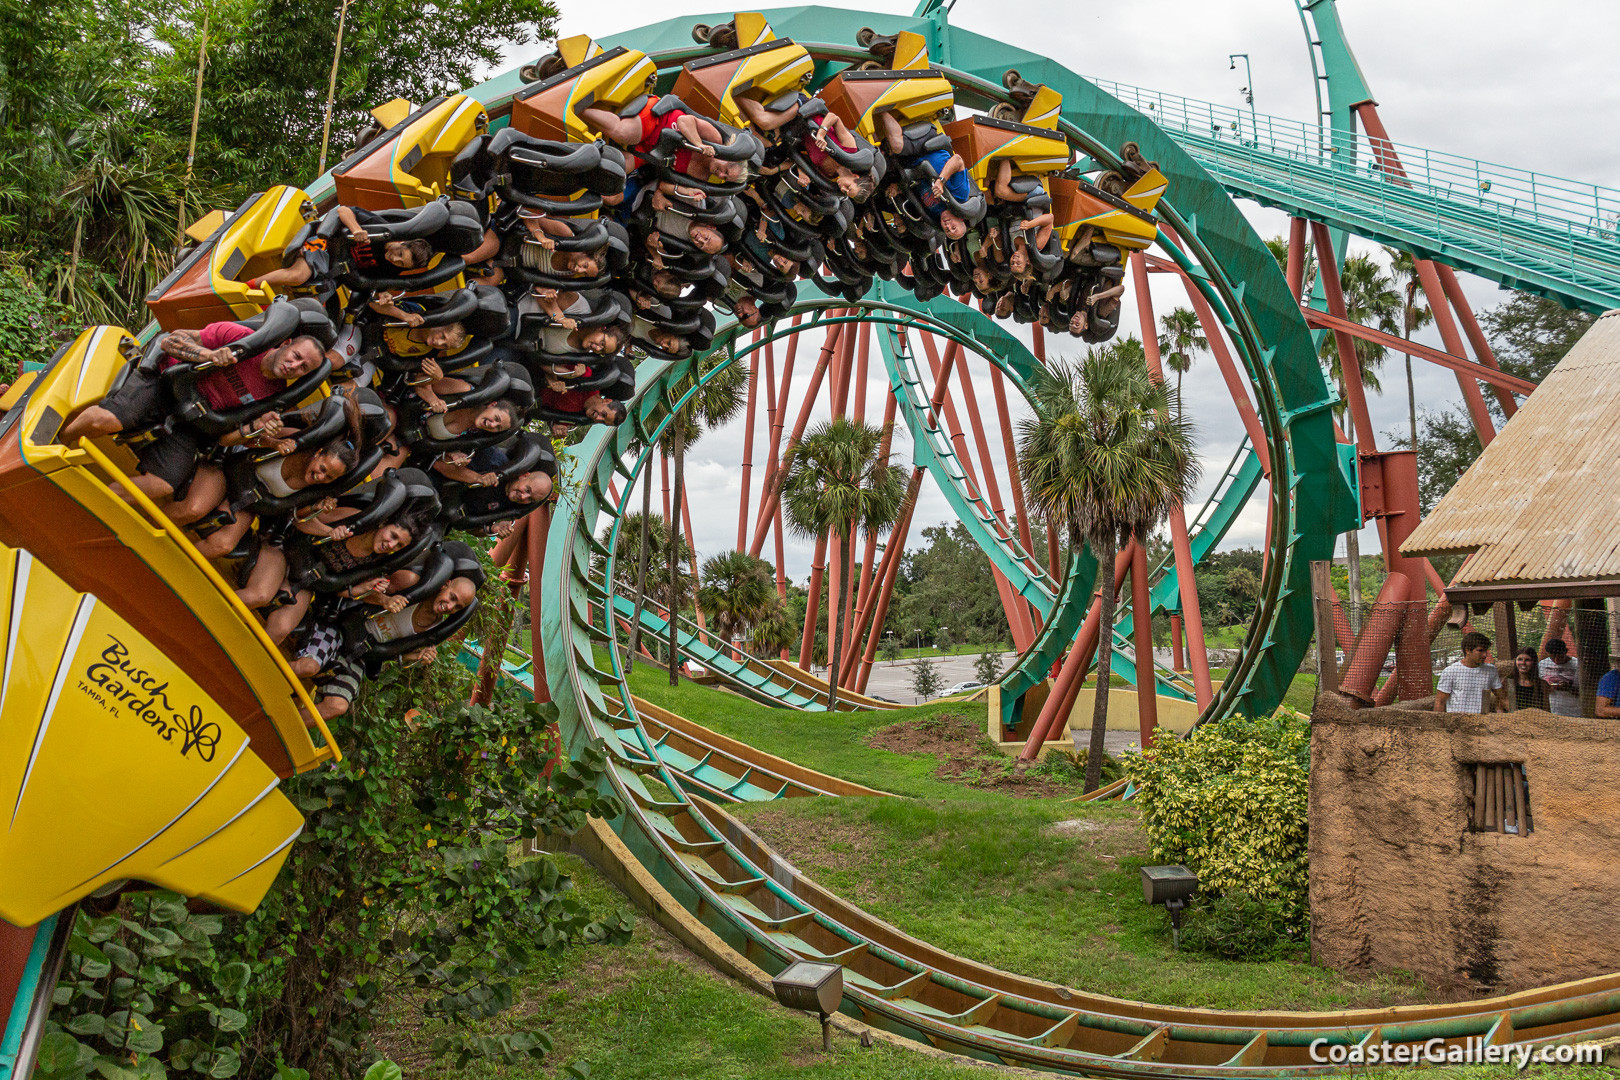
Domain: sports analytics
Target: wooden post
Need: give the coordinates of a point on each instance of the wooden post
(1327, 664)
(1507, 643)
(1521, 804)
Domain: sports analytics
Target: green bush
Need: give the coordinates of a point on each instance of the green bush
(32, 325)
(1230, 804)
(1069, 766)
(1237, 926)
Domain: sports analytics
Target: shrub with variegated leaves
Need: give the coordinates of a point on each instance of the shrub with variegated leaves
(1230, 803)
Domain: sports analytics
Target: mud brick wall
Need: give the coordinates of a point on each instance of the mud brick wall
(1399, 882)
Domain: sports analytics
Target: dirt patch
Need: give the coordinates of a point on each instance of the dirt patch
(1074, 826)
(968, 757)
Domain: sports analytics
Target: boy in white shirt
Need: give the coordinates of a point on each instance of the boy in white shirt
(1464, 686)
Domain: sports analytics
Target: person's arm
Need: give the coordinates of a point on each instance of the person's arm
(490, 247)
(833, 125)
(952, 167)
(456, 472)
(1034, 224)
(427, 391)
(357, 231)
(699, 134)
(316, 525)
(764, 118)
(1003, 189)
(894, 136)
(187, 345)
(264, 432)
(550, 302)
(384, 305)
(1440, 699)
(1608, 691)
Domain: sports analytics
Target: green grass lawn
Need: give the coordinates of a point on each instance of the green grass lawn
(1044, 887)
(981, 873)
(650, 1010)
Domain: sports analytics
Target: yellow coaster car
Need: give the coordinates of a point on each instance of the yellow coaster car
(1123, 220)
(409, 164)
(617, 78)
(116, 764)
(130, 665)
(1033, 145)
(912, 90)
(209, 284)
(770, 70)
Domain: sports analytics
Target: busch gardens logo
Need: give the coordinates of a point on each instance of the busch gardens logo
(117, 684)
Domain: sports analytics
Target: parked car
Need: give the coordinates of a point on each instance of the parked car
(964, 687)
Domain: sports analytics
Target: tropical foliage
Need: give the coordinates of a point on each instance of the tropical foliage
(840, 479)
(96, 102)
(1181, 338)
(738, 593)
(714, 390)
(1230, 803)
(406, 891)
(1105, 456)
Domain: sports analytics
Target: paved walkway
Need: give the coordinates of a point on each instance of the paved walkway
(892, 678)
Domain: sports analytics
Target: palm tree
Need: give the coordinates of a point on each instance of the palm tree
(837, 480)
(1370, 298)
(1415, 313)
(1180, 337)
(1278, 246)
(1106, 454)
(637, 530)
(722, 389)
(737, 590)
(773, 631)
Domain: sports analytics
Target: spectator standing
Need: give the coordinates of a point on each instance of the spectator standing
(1529, 688)
(1608, 693)
(1463, 686)
(1563, 675)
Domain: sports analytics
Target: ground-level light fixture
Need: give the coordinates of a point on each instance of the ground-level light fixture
(1170, 886)
(812, 987)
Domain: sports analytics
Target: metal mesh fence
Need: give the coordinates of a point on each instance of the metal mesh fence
(1397, 652)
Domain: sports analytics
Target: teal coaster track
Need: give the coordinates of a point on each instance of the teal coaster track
(757, 906)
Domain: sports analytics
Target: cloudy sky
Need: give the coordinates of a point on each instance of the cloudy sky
(1500, 81)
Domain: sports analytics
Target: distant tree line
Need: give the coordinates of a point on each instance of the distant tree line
(96, 100)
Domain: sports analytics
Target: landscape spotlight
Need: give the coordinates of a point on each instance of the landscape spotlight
(1170, 886)
(812, 987)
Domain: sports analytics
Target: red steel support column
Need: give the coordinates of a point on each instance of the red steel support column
(1011, 603)
(773, 493)
(1443, 322)
(1177, 663)
(1147, 687)
(1235, 385)
(888, 574)
(1050, 721)
(1010, 452)
(812, 607)
(863, 602)
(987, 465)
(539, 525)
(663, 462)
(748, 445)
(691, 553)
(1295, 272)
(1327, 269)
(1476, 337)
(1180, 544)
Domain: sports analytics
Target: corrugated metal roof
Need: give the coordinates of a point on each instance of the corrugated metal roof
(1542, 503)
